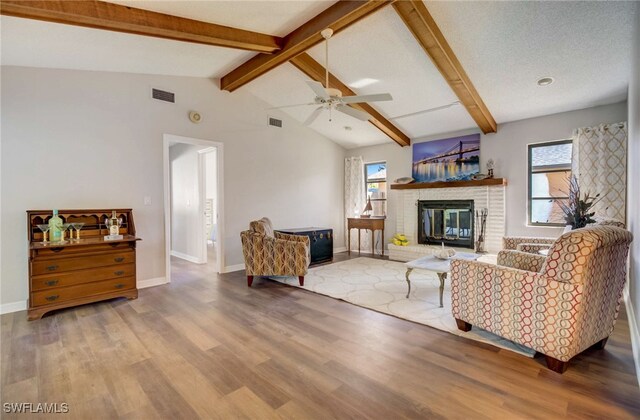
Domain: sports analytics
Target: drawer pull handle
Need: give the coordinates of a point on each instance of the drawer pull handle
(118, 259)
(119, 272)
(52, 268)
(51, 282)
(52, 298)
(119, 286)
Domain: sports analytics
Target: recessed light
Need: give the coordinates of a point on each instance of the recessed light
(545, 81)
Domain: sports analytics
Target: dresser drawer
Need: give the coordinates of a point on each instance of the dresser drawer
(56, 265)
(62, 294)
(53, 251)
(50, 281)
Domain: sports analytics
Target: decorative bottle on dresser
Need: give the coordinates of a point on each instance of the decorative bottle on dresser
(55, 224)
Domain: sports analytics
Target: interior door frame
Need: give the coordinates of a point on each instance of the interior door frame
(172, 138)
(202, 192)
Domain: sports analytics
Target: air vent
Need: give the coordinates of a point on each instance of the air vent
(275, 122)
(163, 95)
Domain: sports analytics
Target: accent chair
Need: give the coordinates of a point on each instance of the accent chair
(269, 253)
(558, 305)
(534, 245)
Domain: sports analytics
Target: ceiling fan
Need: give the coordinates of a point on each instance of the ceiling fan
(331, 99)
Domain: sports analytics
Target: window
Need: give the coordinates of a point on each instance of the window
(375, 178)
(549, 173)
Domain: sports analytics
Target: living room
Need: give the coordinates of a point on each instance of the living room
(94, 95)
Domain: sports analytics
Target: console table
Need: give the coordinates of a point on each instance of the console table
(78, 271)
(366, 223)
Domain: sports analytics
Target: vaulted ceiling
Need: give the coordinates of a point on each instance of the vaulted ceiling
(504, 47)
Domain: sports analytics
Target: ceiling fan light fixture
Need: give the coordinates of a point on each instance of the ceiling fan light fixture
(545, 81)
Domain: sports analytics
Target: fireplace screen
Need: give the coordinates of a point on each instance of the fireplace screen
(448, 221)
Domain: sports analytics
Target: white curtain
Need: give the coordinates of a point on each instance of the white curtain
(354, 199)
(600, 163)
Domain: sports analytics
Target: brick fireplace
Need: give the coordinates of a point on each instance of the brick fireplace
(488, 194)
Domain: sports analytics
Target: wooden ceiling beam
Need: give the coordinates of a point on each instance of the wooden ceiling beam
(305, 63)
(337, 17)
(114, 17)
(419, 21)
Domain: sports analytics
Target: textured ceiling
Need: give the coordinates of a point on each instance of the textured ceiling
(504, 47)
(34, 43)
(266, 16)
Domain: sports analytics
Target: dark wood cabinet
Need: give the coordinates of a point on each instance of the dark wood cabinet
(79, 271)
(320, 240)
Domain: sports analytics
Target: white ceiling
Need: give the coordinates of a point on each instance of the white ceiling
(34, 43)
(504, 47)
(270, 17)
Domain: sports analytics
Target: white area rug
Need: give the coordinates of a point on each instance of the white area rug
(380, 285)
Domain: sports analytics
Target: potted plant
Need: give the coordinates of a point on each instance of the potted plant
(576, 211)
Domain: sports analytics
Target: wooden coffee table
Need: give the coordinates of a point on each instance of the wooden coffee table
(437, 265)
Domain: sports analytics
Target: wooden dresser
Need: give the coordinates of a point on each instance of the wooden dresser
(82, 270)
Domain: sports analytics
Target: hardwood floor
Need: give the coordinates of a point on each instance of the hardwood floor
(207, 346)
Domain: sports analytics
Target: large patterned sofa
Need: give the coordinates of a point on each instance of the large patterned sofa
(558, 305)
(269, 253)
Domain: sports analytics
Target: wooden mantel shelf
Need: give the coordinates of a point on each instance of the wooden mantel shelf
(450, 184)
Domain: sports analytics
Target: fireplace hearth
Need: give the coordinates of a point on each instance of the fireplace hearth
(448, 221)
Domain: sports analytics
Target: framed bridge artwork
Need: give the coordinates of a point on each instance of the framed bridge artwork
(452, 159)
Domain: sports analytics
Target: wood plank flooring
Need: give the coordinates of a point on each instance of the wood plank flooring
(206, 346)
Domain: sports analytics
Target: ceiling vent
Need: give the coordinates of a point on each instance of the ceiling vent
(163, 95)
(275, 122)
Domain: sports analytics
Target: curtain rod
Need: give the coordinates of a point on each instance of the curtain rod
(619, 125)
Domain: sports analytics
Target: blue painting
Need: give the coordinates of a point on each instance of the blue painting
(452, 159)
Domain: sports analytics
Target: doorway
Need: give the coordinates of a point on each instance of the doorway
(193, 197)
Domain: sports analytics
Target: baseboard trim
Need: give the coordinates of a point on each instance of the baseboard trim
(156, 281)
(7, 308)
(187, 257)
(232, 268)
(634, 331)
(341, 249)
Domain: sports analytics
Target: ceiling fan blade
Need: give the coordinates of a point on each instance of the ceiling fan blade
(311, 118)
(318, 89)
(291, 106)
(378, 97)
(355, 113)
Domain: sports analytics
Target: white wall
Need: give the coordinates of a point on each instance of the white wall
(186, 231)
(82, 139)
(508, 148)
(633, 201)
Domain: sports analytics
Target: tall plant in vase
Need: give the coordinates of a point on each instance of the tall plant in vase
(576, 211)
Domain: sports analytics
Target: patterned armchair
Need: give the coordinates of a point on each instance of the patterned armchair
(273, 254)
(533, 245)
(524, 244)
(558, 305)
